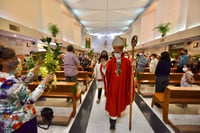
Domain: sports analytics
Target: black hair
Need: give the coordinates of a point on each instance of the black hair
(70, 48)
(189, 66)
(155, 55)
(105, 56)
(6, 53)
(185, 50)
(165, 56)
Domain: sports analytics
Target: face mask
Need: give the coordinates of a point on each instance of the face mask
(117, 55)
(104, 56)
(126, 57)
(140, 53)
(185, 69)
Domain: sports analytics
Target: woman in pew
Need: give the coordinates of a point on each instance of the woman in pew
(186, 80)
(17, 111)
(162, 72)
(99, 72)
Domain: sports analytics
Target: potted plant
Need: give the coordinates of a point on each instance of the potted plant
(53, 29)
(163, 28)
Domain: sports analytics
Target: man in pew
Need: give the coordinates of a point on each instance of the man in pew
(141, 62)
(183, 60)
(71, 63)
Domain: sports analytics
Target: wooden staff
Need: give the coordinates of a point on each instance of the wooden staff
(133, 43)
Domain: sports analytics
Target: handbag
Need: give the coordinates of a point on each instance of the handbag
(47, 116)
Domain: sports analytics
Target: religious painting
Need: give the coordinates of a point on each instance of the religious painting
(87, 43)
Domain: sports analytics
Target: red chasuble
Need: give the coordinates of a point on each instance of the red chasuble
(118, 86)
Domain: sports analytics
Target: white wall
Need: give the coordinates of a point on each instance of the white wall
(167, 11)
(136, 29)
(67, 27)
(193, 13)
(24, 12)
(51, 12)
(183, 16)
(37, 14)
(77, 34)
(19, 45)
(147, 25)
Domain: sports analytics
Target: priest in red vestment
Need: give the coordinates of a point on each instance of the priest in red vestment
(118, 77)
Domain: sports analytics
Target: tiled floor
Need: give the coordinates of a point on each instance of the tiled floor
(92, 117)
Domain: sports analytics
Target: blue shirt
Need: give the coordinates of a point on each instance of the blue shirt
(183, 60)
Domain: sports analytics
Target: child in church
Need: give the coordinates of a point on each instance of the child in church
(186, 80)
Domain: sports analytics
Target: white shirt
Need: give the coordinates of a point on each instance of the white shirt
(98, 76)
(153, 65)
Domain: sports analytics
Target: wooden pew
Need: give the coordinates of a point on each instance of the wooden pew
(197, 78)
(187, 128)
(80, 68)
(60, 75)
(173, 70)
(91, 72)
(176, 95)
(62, 90)
(145, 78)
(61, 68)
(83, 77)
(149, 78)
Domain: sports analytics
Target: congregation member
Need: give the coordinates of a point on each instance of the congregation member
(118, 78)
(153, 63)
(85, 62)
(184, 58)
(141, 62)
(17, 110)
(99, 72)
(71, 63)
(186, 80)
(162, 72)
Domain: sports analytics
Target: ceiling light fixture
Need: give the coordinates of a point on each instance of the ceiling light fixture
(105, 43)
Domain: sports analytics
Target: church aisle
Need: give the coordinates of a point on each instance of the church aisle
(99, 120)
(143, 122)
(92, 117)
